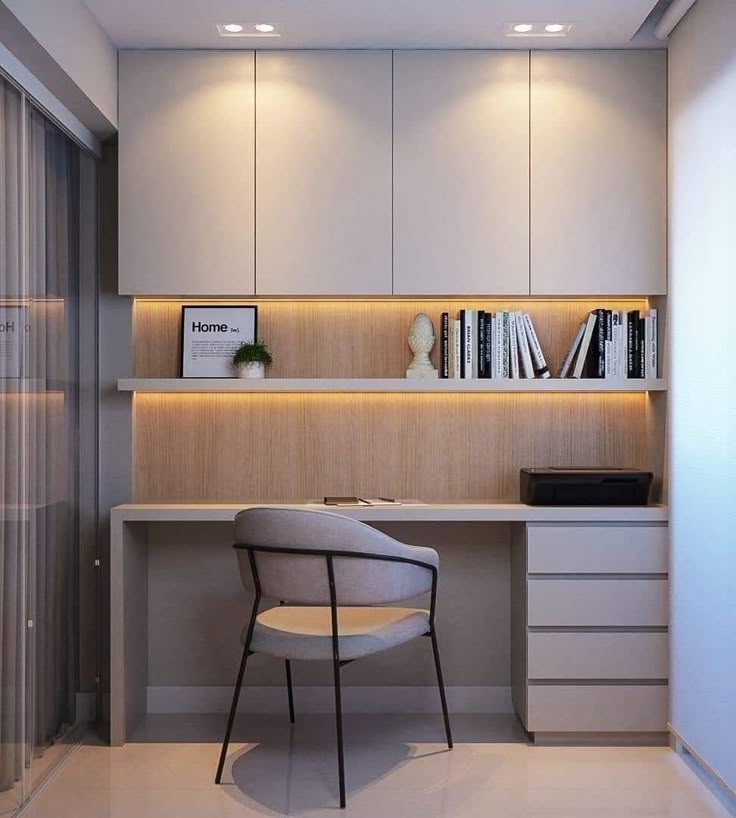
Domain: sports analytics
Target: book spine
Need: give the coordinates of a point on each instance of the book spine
(600, 369)
(487, 354)
(494, 345)
(461, 318)
(513, 346)
(456, 348)
(632, 320)
(481, 344)
(540, 365)
(642, 347)
(654, 348)
(581, 361)
(608, 357)
(526, 366)
(444, 345)
(615, 328)
(468, 341)
(505, 339)
(566, 365)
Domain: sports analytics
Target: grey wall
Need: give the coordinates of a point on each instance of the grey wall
(197, 609)
(702, 395)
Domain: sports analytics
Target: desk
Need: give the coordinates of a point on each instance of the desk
(588, 608)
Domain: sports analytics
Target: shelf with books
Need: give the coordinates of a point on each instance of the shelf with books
(389, 385)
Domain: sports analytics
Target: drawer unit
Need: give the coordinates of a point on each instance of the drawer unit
(597, 656)
(597, 549)
(597, 602)
(597, 708)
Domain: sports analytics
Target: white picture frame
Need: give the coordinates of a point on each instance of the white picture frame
(211, 334)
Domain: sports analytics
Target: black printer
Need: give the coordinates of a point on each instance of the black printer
(585, 487)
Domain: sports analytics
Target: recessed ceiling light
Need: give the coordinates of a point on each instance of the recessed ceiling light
(248, 30)
(537, 29)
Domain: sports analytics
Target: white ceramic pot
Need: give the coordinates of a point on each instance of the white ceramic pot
(252, 370)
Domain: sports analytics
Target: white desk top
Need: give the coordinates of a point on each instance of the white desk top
(432, 512)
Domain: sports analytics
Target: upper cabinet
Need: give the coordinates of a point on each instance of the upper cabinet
(323, 172)
(598, 172)
(186, 186)
(461, 172)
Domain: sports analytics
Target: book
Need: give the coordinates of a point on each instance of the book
(487, 350)
(526, 365)
(615, 328)
(585, 345)
(514, 346)
(494, 346)
(566, 365)
(504, 345)
(456, 348)
(540, 365)
(642, 347)
(461, 318)
(632, 322)
(653, 349)
(608, 346)
(481, 371)
(468, 343)
(444, 345)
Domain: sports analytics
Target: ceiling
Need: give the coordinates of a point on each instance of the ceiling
(374, 23)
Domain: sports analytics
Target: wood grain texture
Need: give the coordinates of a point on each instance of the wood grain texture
(349, 339)
(230, 448)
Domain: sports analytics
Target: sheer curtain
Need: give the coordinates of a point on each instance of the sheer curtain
(41, 198)
(12, 406)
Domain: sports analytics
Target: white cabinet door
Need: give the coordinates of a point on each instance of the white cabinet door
(323, 171)
(186, 173)
(598, 172)
(461, 172)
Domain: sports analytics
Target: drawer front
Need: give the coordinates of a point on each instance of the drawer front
(597, 549)
(597, 708)
(598, 656)
(597, 602)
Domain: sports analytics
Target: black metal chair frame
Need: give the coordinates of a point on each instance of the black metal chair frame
(337, 663)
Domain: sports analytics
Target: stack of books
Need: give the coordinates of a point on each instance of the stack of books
(613, 344)
(479, 344)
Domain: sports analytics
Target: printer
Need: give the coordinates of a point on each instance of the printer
(585, 487)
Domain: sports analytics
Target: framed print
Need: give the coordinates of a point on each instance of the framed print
(14, 329)
(211, 334)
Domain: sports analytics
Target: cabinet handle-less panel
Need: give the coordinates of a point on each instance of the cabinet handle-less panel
(597, 708)
(598, 172)
(323, 173)
(461, 172)
(604, 549)
(597, 602)
(598, 656)
(186, 173)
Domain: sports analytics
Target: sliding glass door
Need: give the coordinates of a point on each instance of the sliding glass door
(48, 255)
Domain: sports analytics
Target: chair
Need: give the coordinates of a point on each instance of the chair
(341, 570)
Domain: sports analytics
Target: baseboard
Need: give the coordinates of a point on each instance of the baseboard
(356, 699)
(705, 772)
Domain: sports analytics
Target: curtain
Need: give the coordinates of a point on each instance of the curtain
(13, 524)
(40, 240)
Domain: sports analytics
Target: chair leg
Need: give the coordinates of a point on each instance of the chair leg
(338, 719)
(441, 685)
(290, 691)
(233, 709)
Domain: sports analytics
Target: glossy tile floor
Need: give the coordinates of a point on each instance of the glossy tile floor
(397, 767)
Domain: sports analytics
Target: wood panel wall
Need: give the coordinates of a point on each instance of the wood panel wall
(348, 339)
(293, 447)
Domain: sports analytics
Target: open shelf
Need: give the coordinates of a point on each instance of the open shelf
(398, 385)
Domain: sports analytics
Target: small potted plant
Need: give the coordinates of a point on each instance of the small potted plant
(252, 359)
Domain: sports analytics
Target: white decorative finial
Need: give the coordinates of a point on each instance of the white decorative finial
(421, 341)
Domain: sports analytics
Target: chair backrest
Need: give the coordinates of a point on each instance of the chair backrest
(303, 577)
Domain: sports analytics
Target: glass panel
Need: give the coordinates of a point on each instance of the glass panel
(15, 517)
(48, 297)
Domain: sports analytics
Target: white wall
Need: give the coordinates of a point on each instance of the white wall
(703, 394)
(72, 36)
